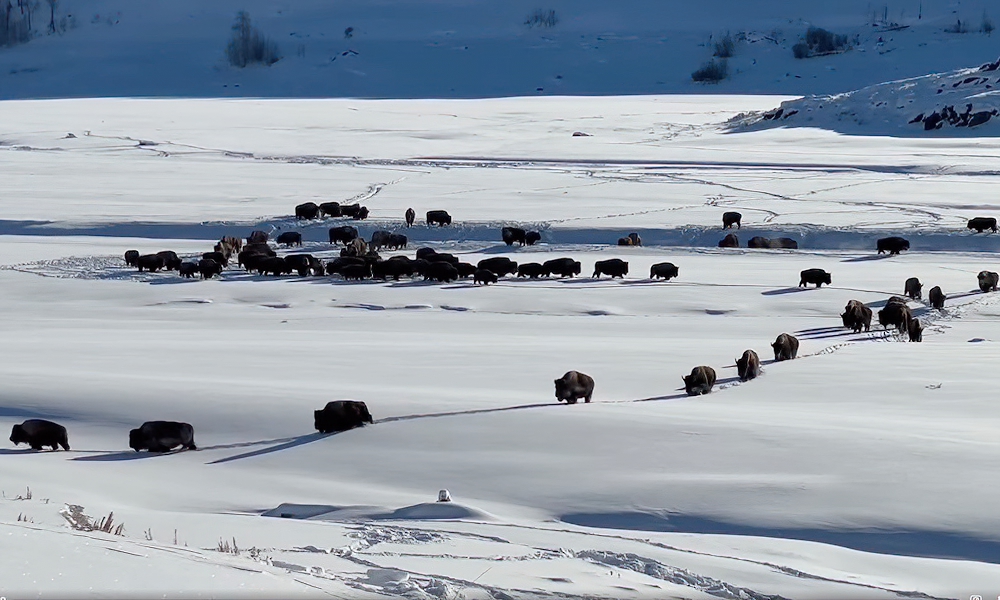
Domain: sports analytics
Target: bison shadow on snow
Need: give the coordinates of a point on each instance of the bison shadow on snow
(788, 290)
(285, 444)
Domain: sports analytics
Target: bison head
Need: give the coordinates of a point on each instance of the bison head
(136, 440)
(561, 392)
(318, 420)
(18, 436)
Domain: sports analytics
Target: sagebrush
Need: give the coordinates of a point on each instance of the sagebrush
(713, 71)
(542, 18)
(249, 45)
(819, 42)
(725, 47)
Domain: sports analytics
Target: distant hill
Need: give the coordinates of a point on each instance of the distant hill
(470, 48)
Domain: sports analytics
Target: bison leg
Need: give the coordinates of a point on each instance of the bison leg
(35, 446)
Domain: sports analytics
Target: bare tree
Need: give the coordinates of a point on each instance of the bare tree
(52, 15)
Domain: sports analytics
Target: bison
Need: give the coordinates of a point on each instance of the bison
(304, 264)
(895, 314)
(465, 269)
(290, 238)
(759, 242)
(209, 268)
(308, 211)
(981, 224)
(748, 365)
(410, 217)
(915, 330)
(786, 347)
(219, 257)
(330, 209)
(343, 234)
(663, 270)
(988, 281)
(442, 257)
(700, 381)
(171, 261)
(574, 385)
(393, 268)
(438, 217)
(162, 436)
(563, 267)
(532, 270)
(892, 245)
(730, 241)
(396, 241)
(257, 237)
(350, 210)
(513, 234)
(499, 265)
(531, 237)
(484, 277)
(38, 433)
(443, 272)
(336, 265)
(188, 269)
(150, 262)
(937, 297)
(816, 277)
(425, 253)
(615, 267)
(356, 271)
(785, 243)
(341, 415)
(273, 265)
(380, 238)
(857, 316)
(912, 288)
(732, 218)
(131, 258)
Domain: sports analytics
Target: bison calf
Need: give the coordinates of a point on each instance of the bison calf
(700, 381)
(937, 297)
(38, 433)
(913, 288)
(484, 277)
(573, 386)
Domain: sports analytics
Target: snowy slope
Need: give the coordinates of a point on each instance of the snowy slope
(477, 48)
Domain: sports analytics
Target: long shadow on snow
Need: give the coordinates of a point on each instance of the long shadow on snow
(899, 542)
(125, 455)
(457, 413)
(291, 443)
(782, 291)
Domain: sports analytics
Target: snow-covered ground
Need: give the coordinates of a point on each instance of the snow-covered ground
(864, 468)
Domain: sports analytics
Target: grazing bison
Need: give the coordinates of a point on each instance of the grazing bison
(563, 267)
(219, 257)
(892, 245)
(38, 433)
(895, 314)
(380, 238)
(396, 241)
(663, 271)
(513, 234)
(981, 224)
(336, 265)
(343, 234)
(132, 258)
(410, 216)
(912, 288)
(341, 415)
(188, 269)
(290, 238)
(624, 241)
(257, 237)
(816, 277)
(786, 243)
(857, 316)
(786, 347)
(304, 264)
(438, 217)
(443, 272)
(393, 268)
(732, 218)
(350, 210)
(484, 277)
(171, 261)
(260, 249)
(759, 242)
(748, 365)
(531, 237)
(465, 269)
(915, 330)
(273, 265)
(574, 385)
(615, 267)
(330, 209)
(730, 241)
(937, 297)
(252, 261)
(209, 268)
(308, 210)
(356, 272)
(162, 436)
(700, 381)
(499, 265)
(425, 253)
(356, 247)
(532, 270)
(150, 262)
(988, 281)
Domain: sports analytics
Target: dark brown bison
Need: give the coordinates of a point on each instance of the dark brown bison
(981, 224)
(162, 436)
(857, 316)
(396, 241)
(816, 277)
(732, 218)
(336, 265)
(484, 277)
(499, 265)
(531, 270)
(915, 330)
(438, 217)
(38, 433)
(132, 258)
(785, 243)
(219, 257)
(786, 347)
(563, 267)
(150, 262)
(531, 237)
(356, 247)
(330, 209)
(892, 245)
(465, 269)
(188, 269)
(574, 385)
(895, 314)
(987, 281)
(350, 210)
(513, 234)
(730, 241)
(290, 238)
(308, 210)
(700, 381)
(425, 253)
(257, 237)
(663, 271)
(341, 415)
(748, 365)
(209, 268)
(615, 267)
(443, 257)
(937, 297)
(304, 264)
(379, 239)
(356, 272)
(171, 261)
(273, 265)
(759, 242)
(410, 217)
(443, 272)
(343, 234)
(913, 288)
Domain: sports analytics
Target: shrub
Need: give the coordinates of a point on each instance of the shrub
(818, 42)
(987, 26)
(801, 50)
(958, 27)
(542, 18)
(15, 22)
(248, 45)
(725, 47)
(713, 71)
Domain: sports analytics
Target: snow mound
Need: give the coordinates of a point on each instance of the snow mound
(428, 511)
(962, 102)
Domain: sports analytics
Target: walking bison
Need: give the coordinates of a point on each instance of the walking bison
(663, 270)
(615, 267)
(162, 436)
(341, 415)
(937, 297)
(912, 288)
(786, 347)
(38, 433)
(732, 218)
(499, 265)
(816, 277)
(700, 381)
(438, 217)
(290, 238)
(981, 224)
(308, 210)
(563, 267)
(574, 385)
(892, 245)
(748, 365)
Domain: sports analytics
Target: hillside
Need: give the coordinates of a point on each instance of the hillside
(465, 48)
